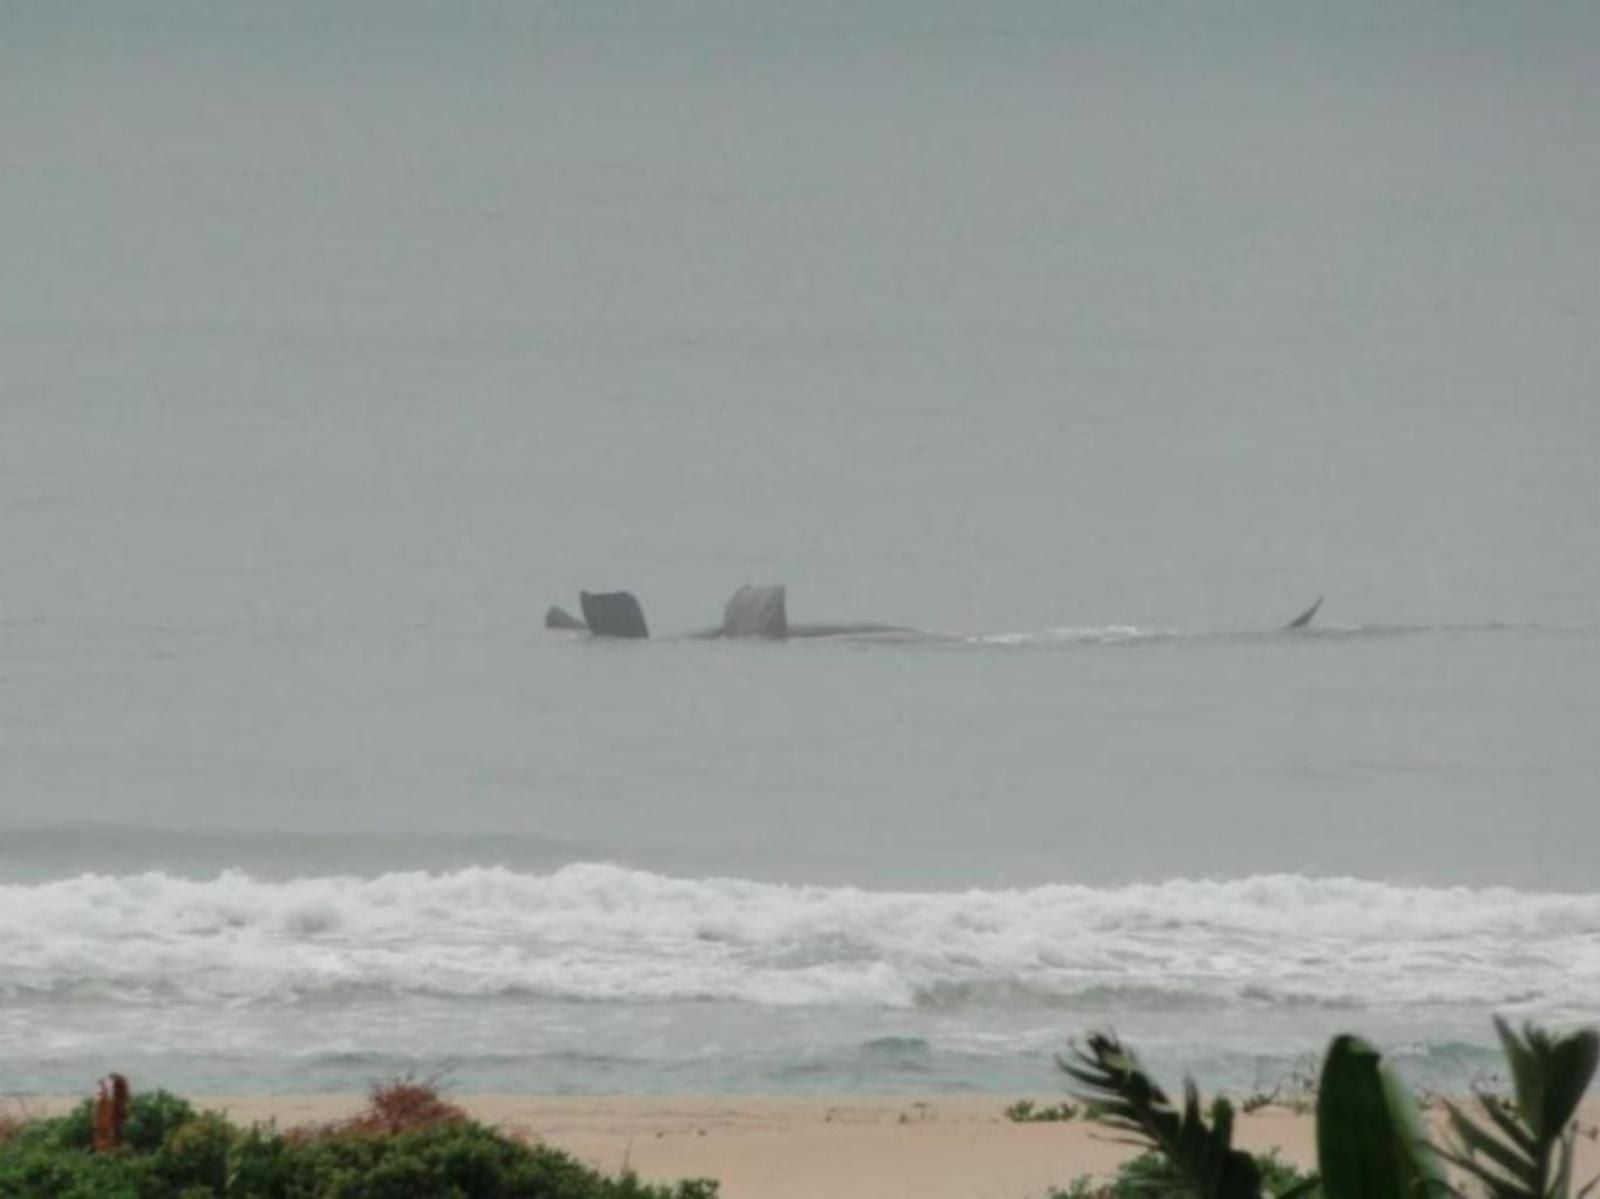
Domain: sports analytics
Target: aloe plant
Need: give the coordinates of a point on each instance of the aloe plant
(1522, 1148)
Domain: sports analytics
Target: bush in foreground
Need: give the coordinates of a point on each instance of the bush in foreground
(1371, 1141)
(407, 1143)
(1151, 1176)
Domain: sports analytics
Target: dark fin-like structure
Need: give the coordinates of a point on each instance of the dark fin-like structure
(1304, 619)
(757, 612)
(614, 614)
(559, 618)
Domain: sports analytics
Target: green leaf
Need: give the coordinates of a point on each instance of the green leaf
(1524, 1065)
(1202, 1156)
(1515, 1166)
(1550, 1073)
(1505, 1118)
(1370, 1140)
(1524, 1150)
(1302, 1189)
(1571, 1067)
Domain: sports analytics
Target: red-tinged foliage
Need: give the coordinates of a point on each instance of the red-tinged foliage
(403, 1106)
(110, 1113)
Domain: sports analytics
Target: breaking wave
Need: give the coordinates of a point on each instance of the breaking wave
(603, 933)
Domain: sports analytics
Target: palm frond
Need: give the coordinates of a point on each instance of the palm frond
(1522, 1149)
(1129, 1100)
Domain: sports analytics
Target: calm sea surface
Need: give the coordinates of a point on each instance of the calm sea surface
(338, 341)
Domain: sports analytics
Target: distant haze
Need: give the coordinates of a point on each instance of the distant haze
(339, 339)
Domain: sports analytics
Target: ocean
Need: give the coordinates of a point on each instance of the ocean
(1094, 342)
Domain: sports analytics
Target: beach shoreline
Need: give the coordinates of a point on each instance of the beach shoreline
(932, 1146)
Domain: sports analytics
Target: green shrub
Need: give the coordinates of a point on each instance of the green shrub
(194, 1157)
(170, 1152)
(1150, 1175)
(41, 1171)
(260, 1163)
(459, 1161)
(151, 1117)
(1026, 1111)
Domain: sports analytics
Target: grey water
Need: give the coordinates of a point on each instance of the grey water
(337, 341)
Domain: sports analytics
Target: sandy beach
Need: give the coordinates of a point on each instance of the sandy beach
(788, 1147)
(844, 1147)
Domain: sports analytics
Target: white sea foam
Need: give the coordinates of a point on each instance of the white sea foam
(1128, 634)
(601, 932)
(1116, 634)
